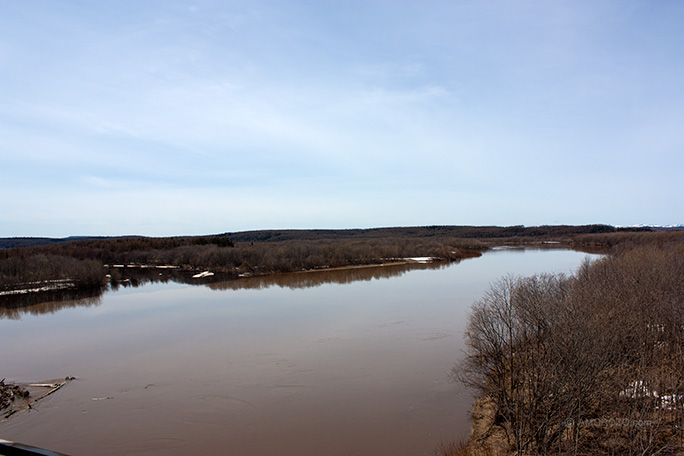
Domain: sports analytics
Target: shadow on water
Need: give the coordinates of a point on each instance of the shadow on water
(13, 307)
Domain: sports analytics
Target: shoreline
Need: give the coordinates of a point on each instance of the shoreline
(202, 275)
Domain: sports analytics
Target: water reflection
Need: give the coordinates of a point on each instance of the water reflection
(13, 307)
(310, 279)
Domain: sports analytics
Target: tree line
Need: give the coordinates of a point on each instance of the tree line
(86, 262)
(82, 261)
(462, 232)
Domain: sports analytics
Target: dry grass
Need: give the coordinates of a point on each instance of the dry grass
(452, 448)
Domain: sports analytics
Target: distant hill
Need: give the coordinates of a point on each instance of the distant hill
(8, 243)
(679, 227)
(464, 232)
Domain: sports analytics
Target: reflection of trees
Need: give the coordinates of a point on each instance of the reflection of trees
(139, 276)
(14, 307)
(310, 279)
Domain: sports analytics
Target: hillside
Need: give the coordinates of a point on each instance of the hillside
(465, 232)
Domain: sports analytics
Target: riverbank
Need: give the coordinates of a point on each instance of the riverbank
(88, 267)
(588, 363)
(46, 265)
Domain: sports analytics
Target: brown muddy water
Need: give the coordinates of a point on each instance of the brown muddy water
(349, 362)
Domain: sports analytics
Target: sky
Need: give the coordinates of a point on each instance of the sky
(164, 118)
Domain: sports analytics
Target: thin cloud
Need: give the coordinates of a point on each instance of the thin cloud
(353, 114)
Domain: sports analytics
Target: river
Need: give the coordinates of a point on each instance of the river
(351, 362)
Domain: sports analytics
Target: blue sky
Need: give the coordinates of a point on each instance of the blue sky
(182, 117)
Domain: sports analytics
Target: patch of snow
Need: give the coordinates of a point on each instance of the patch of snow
(203, 274)
(638, 389)
(421, 259)
(52, 287)
(142, 266)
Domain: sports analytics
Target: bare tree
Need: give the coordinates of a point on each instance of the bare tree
(591, 363)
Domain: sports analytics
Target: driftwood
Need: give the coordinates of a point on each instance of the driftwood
(54, 387)
(21, 391)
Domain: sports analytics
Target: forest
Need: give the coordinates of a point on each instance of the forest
(41, 263)
(591, 363)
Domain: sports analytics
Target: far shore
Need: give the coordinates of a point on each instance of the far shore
(72, 266)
